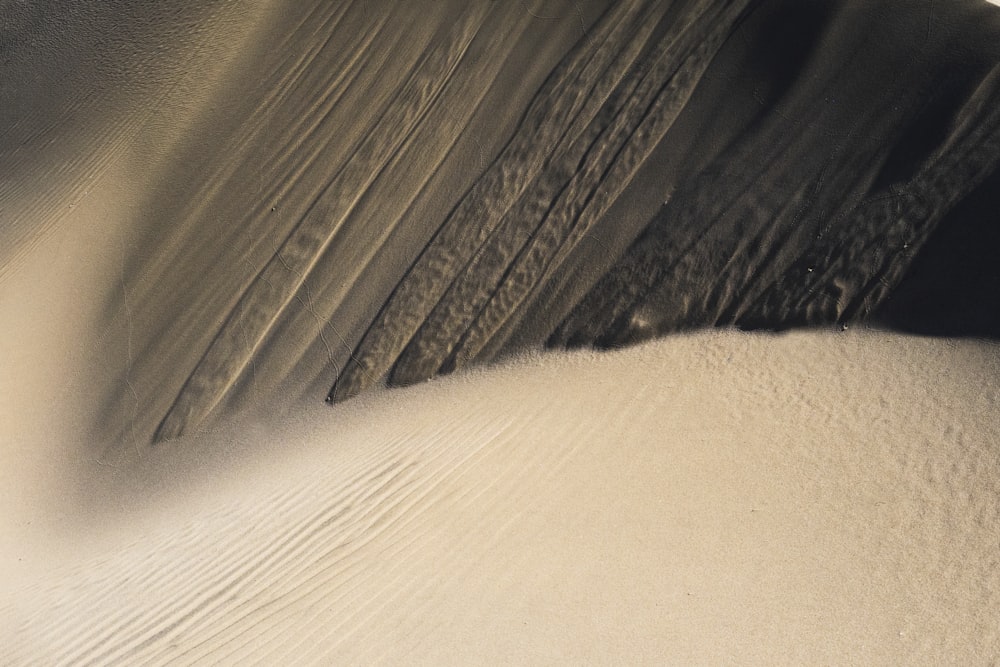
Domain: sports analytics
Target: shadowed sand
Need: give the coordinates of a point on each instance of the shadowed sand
(340, 194)
(214, 215)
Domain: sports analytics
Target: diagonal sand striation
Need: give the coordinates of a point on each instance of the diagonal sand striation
(212, 212)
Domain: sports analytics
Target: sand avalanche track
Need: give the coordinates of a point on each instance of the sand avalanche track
(341, 194)
(712, 498)
(215, 214)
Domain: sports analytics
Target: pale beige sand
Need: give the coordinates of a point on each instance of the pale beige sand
(818, 498)
(805, 498)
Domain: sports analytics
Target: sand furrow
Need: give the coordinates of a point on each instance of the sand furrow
(628, 141)
(480, 210)
(392, 196)
(903, 220)
(426, 283)
(754, 246)
(271, 291)
(479, 517)
(474, 284)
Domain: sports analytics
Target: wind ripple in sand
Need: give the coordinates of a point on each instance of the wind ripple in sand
(633, 507)
(82, 86)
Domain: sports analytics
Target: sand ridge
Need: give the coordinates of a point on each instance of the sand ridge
(211, 212)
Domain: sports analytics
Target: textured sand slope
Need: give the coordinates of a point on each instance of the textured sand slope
(348, 130)
(215, 214)
(346, 193)
(811, 498)
(87, 85)
(94, 102)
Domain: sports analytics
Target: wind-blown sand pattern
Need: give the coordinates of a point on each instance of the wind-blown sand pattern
(819, 223)
(393, 192)
(215, 215)
(548, 218)
(623, 508)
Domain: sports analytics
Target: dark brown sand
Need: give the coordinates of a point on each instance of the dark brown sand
(340, 194)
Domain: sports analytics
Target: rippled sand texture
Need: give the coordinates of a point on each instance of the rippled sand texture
(317, 197)
(723, 498)
(214, 215)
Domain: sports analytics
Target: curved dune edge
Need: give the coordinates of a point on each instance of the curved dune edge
(808, 497)
(288, 197)
(716, 497)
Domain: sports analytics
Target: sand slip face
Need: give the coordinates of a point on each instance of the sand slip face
(310, 194)
(796, 498)
(210, 212)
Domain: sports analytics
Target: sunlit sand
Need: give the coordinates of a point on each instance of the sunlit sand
(215, 216)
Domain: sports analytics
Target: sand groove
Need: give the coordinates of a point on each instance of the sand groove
(475, 284)
(275, 286)
(592, 158)
(482, 208)
(770, 246)
(377, 192)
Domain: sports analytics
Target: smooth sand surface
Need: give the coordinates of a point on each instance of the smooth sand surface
(770, 499)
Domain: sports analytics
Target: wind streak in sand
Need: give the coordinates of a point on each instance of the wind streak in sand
(277, 283)
(527, 215)
(427, 186)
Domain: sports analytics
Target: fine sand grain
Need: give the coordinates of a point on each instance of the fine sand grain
(214, 215)
(805, 498)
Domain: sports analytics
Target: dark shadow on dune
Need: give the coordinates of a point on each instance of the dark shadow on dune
(953, 285)
(860, 171)
(384, 192)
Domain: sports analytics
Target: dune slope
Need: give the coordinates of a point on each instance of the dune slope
(803, 498)
(336, 195)
(214, 215)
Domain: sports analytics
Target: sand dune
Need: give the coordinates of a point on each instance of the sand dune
(215, 215)
(804, 498)
(348, 193)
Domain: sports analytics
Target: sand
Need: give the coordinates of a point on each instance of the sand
(215, 215)
(759, 499)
